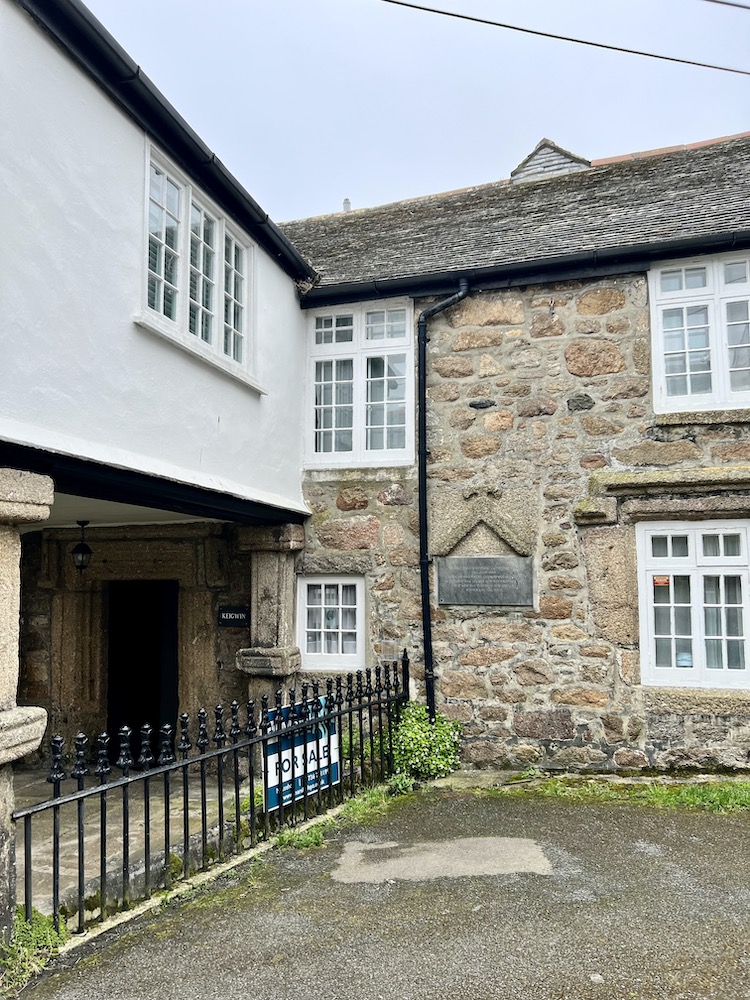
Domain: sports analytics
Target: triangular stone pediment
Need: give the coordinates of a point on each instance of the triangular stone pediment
(484, 524)
(482, 540)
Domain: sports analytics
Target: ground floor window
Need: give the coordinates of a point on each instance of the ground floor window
(693, 586)
(330, 621)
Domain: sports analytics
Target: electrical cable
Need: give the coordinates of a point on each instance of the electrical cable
(729, 3)
(567, 38)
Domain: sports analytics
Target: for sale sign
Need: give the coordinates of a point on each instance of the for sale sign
(302, 761)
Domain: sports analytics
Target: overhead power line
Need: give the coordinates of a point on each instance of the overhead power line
(568, 38)
(730, 3)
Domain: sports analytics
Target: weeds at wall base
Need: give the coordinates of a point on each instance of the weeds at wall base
(715, 796)
(32, 944)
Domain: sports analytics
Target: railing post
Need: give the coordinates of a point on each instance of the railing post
(102, 769)
(165, 758)
(125, 762)
(265, 725)
(220, 738)
(202, 744)
(55, 777)
(251, 730)
(184, 749)
(234, 735)
(145, 761)
(79, 772)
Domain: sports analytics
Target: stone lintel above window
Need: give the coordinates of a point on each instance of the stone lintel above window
(691, 494)
(670, 481)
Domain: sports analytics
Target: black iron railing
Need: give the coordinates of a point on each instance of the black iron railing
(186, 799)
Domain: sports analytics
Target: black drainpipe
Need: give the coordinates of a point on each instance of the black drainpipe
(424, 560)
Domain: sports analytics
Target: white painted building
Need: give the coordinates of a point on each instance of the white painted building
(151, 362)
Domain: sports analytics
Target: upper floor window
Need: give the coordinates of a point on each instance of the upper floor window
(361, 376)
(197, 272)
(693, 591)
(700, 313)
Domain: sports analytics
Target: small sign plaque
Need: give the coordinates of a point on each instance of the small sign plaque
(501, 581)
(234, 616)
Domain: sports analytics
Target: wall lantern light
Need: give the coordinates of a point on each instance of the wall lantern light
(81, 553)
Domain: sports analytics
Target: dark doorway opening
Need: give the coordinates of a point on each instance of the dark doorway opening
(142, 655)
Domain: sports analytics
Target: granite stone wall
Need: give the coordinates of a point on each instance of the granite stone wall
(543, 443)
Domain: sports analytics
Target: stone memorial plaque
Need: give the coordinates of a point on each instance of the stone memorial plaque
(505, 581)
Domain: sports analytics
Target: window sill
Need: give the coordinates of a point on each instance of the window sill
(331, 668)
(740, 415)
(189, 344)
(360, 465)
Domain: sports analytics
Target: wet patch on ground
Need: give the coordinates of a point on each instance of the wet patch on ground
(459, 858)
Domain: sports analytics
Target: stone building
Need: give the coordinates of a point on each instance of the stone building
(587, 454)
(504, 428)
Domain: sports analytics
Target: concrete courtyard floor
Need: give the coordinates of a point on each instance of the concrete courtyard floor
(453, 895)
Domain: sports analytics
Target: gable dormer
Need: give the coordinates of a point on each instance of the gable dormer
(547, 159)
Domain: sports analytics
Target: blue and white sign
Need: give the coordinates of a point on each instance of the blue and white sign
(307, 756)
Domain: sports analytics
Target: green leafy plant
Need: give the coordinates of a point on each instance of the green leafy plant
(32, 944)
(400, 784)
(422, 749)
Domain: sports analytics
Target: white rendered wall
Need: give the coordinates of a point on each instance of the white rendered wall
(77, 374)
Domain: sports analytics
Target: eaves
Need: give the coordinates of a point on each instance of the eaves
(78, 33)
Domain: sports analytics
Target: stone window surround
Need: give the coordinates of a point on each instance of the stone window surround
(695, 565)
(617, 502)
(713, 296)
(332, 662)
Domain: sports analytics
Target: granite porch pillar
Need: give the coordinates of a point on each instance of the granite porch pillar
(273, 658)
(24, 497)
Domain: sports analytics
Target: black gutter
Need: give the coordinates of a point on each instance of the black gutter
(424, 559)
(587, 264)
(85, 40)
(81, 477)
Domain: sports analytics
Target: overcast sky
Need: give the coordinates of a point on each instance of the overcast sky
(311, 101)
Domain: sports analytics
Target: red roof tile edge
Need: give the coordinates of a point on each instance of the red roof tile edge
(644, 154)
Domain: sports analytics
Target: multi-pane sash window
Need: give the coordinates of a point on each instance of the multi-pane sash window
(693, 588)
(202, 263)
(330, 621)
(164, 214)
(197, 271)
(234, 278)
(363, 395)
(701, 333)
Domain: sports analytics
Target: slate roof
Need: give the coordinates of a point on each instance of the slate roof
(660, 203)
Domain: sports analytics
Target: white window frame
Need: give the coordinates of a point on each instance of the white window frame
(338, 660)
(655, 571)
(177, 330)
(715, 296)
(359, 350)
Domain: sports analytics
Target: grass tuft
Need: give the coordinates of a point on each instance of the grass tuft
(368, 805)
(302, 840)
(713, 796)
(32, 944)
